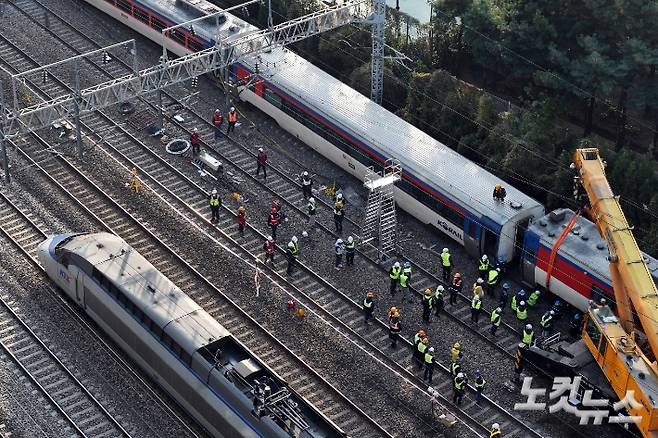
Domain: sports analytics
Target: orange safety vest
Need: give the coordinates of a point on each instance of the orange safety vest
(233, 117)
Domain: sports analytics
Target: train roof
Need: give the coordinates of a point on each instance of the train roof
(583, 244)
(146, 287)
(186, 10)
(421, 155)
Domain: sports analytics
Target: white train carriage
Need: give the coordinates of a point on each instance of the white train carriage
(215, 378)
(578, 269)
(439, 187)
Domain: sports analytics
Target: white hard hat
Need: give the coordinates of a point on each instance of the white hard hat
(232, 108)
(339, 196)
(445, 249)
(196, 130)
(270, 238)
(431, 349)
(214, 191)
(294, 239)
(304, 234)
(528, 327)
(217, 110)
(498, 309)
(350, 239)
(396, 264)
(552, 312)
(522, 303)
(476, 297)
(460, 375)
(537, 292)
(484, 257)
(480, 281)
(260, 149)
(305, 173)
(440, 287)
(498, 269)
(339, 241)
(291, 245)
(311, 199)
(495, 426)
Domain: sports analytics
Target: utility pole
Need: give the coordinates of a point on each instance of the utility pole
(3, 143)
(76, 103)
(378, 21)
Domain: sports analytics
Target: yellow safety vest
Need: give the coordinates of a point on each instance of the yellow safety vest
(495, 318)
(214, 202)
(428, 357)
(521, 314)
(493, 277)
(445, 259)
(476, 304)
(395, 273)
(532, 299)
(527, 337)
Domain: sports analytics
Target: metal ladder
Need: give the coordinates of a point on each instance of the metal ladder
(381, 218)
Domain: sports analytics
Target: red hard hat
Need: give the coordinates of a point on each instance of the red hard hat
(273, 210)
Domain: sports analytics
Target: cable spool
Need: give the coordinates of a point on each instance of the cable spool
(177, 146)
(126, 107)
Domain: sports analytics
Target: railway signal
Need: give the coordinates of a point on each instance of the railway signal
(194, 82)
(106, 57)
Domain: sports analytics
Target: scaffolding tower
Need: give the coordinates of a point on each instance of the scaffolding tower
(381, 218)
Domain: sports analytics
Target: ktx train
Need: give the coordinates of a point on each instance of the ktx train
(439, 186)
(227, 389)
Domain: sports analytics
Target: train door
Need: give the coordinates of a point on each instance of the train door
(521, 228)
(489, 235)
(529, 258)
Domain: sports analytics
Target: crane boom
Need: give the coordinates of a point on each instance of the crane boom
(612, 340)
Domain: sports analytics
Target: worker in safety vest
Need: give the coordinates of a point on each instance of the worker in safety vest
(311, 208)
(427, 305)
(429, 365)
(368, 306)
(532, 299)
(499, 193)
(517, 298)
(459, 388)
(194, 141)
(232, 120)
(269, 246)
(477, 287)
(338, 218)
(483, 266)
(527, 335)
(339, 248)
(394, 275)
(292, 253)
(394, 328)
(479, 386)
(455, 352)
(492, 280)
(215, 202)
(446, 264)
(217, 121)
(261, 163)
(546, 323)
(522, 311)
(241, 218)
(496, 319)
(307, 184)
(404, 285)
(456, 367)
(476, 307)
(417, 339)
(438, 300)
(420, 351)
(455, 288)
(495, 431)
(350, 250)
(273, 221)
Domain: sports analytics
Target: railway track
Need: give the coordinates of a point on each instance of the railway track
(182, 194)
(84, 413)
(324, 299)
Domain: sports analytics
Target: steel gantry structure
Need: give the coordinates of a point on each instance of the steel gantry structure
(170, 72)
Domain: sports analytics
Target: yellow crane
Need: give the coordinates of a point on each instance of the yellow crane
(625, 351)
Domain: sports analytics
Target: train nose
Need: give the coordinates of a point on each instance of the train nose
(43, 246)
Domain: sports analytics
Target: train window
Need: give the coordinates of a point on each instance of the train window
(168, 341)
(177, 350)
(186, 358)
(177, 36)
(194, 45)
(140, 15)
(598, 293)
(158, 24)
(530, 255)
(593, 331)
(472, 229)
(146, 320)
(124, 5)
(272, 97)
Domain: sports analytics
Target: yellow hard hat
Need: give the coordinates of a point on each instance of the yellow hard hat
(498, 186)
(428, 292)
(426, 341)
(396, 314)
(457, 345)
(393, 309)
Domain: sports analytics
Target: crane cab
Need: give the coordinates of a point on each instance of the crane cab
(624, 364)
